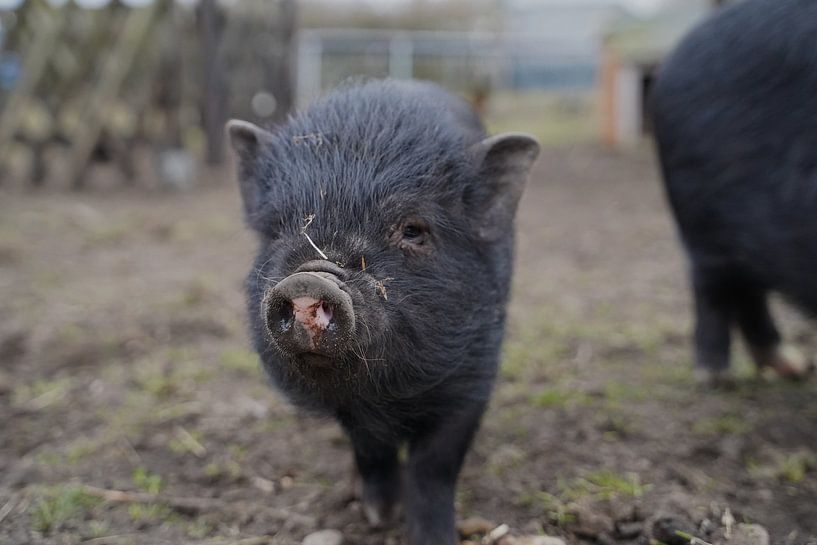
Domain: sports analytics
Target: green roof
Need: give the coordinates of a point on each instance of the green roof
(648, 40)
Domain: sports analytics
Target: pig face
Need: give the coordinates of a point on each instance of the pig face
(385, 233)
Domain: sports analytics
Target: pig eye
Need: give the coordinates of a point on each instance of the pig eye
(412, 234)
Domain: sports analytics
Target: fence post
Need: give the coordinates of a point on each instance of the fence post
(308, 81)
(211, 27)
(282, 86)
(401, 56)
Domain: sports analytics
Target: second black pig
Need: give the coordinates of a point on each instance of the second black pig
(736, 125)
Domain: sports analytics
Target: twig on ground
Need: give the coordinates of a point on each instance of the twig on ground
(193, 505)
(130, 451)
(117, 538)
(257, 540)
(496, 534)
(8, 508)
(190, 442)
(48, 398)
(264, 485)
(728, 521)
(692, 539)
(184, 505)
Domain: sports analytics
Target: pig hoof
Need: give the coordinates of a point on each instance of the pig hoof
(789, 363)
(714, 379)
(378, 514)
(374, 515)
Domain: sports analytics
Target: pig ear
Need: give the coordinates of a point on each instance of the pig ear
(246, 138)
(505, 160)
(247, 141)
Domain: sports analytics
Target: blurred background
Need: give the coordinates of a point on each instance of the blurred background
(145, 86)
(132, 409)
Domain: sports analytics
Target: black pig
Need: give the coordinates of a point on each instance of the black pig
(385, 218)
(735, 112)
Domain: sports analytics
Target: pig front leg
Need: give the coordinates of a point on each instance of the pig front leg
(435, 459)
(379, 469)
(714, 313)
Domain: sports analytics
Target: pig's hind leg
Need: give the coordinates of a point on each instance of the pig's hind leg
(724, 297)
(763, 338)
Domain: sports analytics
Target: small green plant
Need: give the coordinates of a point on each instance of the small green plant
(615, 426)
(239, 452)
(81, 450)
(229, 469)
(794, 467)
(149, 482)
(184, 442)
(239, 360)
(618, 392)
(97, 529)
(723, 425)
(505, 459)
(147, 513)
(605, 485)
(199, 528)
(159, 385)
(41, 393)
(527, 354)
(49, 458)
(556, 511)
(558, 398)
(690, 538)
(59, 506)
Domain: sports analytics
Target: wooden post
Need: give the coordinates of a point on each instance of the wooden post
(283, 88)
(214, 97)
(277, 60)
(47, 27)
(608, 73)
(138, 25)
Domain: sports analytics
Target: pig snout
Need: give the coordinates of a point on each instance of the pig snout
(310, 313)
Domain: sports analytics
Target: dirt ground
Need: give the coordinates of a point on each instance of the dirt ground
(125, 366)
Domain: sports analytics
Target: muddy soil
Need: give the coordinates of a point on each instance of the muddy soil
(125, 367)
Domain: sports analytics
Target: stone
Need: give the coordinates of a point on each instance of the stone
(474, 526)
(530, 540)
(541, 540)
(671, 530)
(741, 534)
(589, 524)
(629, 530)
(323, 537)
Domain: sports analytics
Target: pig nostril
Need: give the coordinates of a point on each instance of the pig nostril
(324, 313)
(285, 315)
